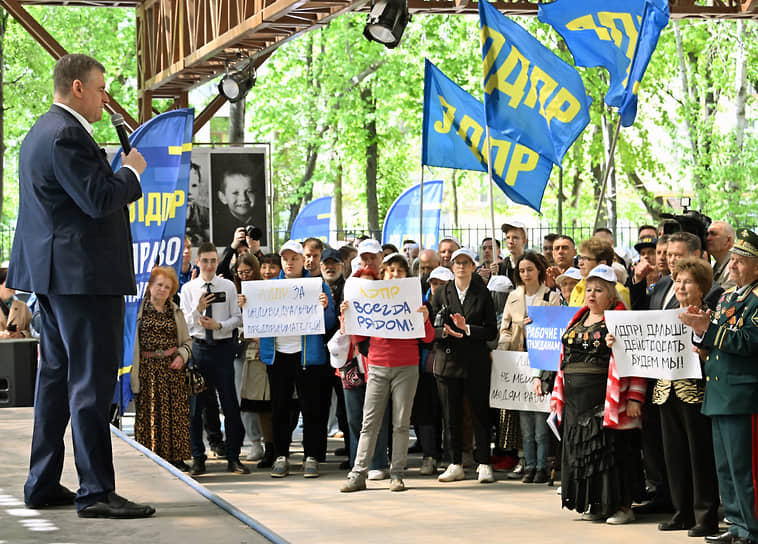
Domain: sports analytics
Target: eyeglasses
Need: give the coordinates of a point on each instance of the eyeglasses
(585, 258)
(245, 272)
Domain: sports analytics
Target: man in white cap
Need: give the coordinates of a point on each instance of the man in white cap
(371, 254)
(302, 362)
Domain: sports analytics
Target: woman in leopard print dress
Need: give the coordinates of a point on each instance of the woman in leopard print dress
(162, 347)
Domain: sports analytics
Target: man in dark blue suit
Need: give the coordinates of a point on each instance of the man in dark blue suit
(73, 248)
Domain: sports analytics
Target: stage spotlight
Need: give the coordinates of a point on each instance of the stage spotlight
(235, 86)
(387, 21)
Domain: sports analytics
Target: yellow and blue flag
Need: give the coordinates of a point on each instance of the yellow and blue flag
(619, 35)
(454, 137)
(531, 96)
(158, 218)
(313, 221)
(402, 220)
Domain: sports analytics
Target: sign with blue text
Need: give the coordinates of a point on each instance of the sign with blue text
(543, 334)
(384, 308)
(283, 307)
(653, 344)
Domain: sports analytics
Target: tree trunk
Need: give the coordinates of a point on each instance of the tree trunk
(337, 199)
(741, 89)
(688, 100)
(372, 159)
(3, 26)
(454, 185)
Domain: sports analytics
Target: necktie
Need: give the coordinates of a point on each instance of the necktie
(208, 313)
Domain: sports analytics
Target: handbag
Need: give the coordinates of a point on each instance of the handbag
(194, 379)
(350, 375)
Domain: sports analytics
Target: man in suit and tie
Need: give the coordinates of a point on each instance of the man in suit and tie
(73, 218)
(680, 245)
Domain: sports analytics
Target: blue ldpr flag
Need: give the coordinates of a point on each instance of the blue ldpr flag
(531, 96)
(454, 137)
(619, 35)
(313, 221)
(157, 219)
(402, 220)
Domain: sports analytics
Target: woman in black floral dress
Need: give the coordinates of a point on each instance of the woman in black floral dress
(162, 347)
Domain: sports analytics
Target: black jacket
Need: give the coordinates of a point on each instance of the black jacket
(454, 357)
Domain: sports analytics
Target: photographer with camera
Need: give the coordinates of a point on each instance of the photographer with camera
(246, 240)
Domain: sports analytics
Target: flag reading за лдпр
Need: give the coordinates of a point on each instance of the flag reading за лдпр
(454, 137)
(619, 35)
(158, 218)
(530, 94)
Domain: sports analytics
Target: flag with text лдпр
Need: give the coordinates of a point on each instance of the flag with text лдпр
(619, 35)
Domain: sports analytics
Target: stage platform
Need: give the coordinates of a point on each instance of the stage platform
(296, 509)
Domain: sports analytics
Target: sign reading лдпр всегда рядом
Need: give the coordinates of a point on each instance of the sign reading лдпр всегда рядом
(384, 308)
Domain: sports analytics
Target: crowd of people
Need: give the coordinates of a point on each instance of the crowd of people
(629, 446)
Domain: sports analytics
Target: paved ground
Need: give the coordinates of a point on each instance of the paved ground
(303, 510)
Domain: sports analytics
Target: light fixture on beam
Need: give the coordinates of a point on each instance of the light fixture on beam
(234, 86)
(387, 21)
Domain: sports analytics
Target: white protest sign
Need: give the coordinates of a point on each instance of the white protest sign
(285, 307)
(653, 344)
(384, 308)
(511, 383)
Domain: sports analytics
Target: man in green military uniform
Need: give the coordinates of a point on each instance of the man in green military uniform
(730, 336)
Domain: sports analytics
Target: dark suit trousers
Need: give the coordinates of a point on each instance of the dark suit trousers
(216, 363)
(477, 388)
(688, 449)
(735, 445)
(80, 349)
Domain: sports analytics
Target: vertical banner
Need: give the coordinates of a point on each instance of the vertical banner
(402, 219)
(158, 218)
(313, 221)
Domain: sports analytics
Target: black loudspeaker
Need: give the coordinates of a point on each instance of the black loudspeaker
(18, 372)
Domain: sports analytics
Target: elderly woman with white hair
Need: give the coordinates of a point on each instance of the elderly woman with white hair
(601, 469)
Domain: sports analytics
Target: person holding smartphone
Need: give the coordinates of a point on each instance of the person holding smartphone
(209, 304)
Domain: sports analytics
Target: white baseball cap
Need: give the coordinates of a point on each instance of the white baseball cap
(441, 273)
(451, 238)
(369, 246)
(291, 245)
(623, 254)
(394, 255)
(500, 284)
(571, 272)
(463, 251)
(604, 272)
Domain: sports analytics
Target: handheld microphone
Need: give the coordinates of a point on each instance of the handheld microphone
(118, 121)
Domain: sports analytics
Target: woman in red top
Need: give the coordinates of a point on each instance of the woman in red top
(393, 372)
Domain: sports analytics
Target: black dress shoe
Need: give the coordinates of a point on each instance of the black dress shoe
(234, 465)
(702, 530)
(723, 538)
(116, 507)
(181, 465)
(198, 467)
(340, 452)
(219, 449)
(64, 497)
(672, 525)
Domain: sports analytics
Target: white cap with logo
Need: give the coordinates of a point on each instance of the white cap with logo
(369, 246)
(291, 245)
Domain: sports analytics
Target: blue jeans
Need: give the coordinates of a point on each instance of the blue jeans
(216, 362)
(354, 407)
(534, 438)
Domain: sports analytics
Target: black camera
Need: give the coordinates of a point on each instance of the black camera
(691, 221)
(251, 231)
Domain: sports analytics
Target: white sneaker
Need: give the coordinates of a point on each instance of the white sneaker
(256, 452)
(310, 468)
(486, 475)
(378, 474)
(452, 473)
(428, 466)
(621, 517)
